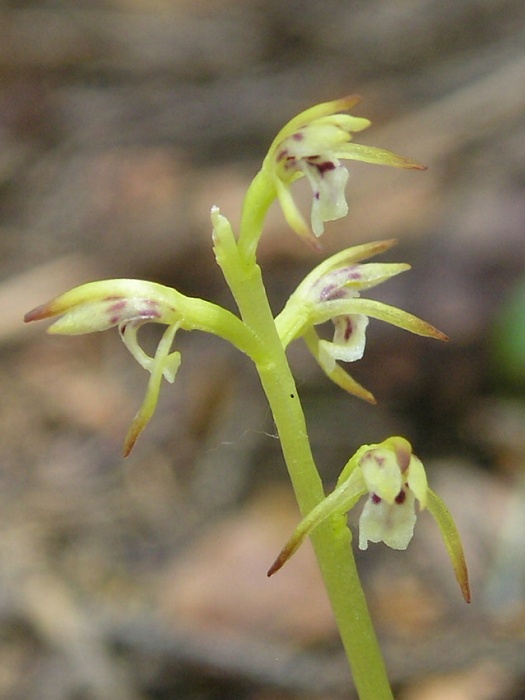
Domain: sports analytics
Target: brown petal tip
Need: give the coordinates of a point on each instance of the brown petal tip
(39, 313)
(281, 560)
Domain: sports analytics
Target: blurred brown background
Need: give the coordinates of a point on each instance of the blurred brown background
(121, 123)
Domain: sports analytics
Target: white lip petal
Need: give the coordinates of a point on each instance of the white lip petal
(392, 524)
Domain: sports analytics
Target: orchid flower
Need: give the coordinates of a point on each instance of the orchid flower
(312, 145)
(332, 292)
(129, 304)
(393, 479)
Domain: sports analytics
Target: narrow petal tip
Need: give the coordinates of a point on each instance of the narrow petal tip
(39, 313)
(410, 164)
(274, 568)
(437, 334)
(346, 382)
(131, 438)
(347, 102)
(420, 327)
(465, 589)
(407, 163)
(286, 552)
(313, 243)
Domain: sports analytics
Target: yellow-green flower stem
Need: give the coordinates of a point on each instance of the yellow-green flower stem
(332, 539)
(259, 197)
(203, 315)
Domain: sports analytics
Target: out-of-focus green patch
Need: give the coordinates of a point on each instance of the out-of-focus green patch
(508, 337)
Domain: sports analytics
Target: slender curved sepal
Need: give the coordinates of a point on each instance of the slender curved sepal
(341, 500)
(452, 540)
(164, 364)
(336, 374)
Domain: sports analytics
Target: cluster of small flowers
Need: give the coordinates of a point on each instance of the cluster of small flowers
(311, 145)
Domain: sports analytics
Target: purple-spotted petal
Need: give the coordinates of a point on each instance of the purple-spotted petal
(391, 523)
(328, 187)
(97, 306)
(349, 341)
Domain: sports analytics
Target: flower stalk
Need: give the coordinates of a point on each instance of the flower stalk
(332, 540)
